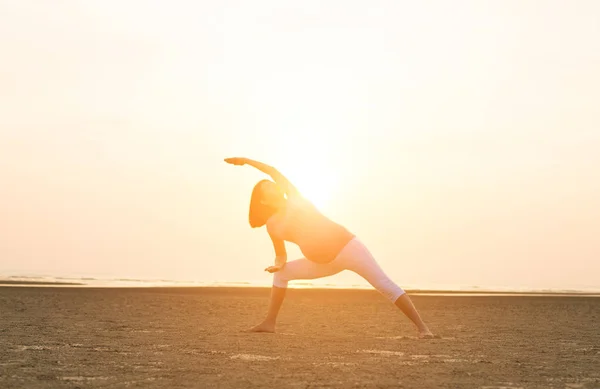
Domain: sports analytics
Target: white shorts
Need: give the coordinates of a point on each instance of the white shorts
(354, 256)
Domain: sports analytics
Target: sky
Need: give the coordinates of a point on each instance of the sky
(459, 140)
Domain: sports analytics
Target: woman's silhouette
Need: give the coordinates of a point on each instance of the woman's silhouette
(327, 246)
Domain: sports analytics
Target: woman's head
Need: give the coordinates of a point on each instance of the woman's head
(266, 199)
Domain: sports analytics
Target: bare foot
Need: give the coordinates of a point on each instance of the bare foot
(263, 327)
(427, 335)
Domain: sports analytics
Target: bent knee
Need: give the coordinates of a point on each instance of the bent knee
(280, 280)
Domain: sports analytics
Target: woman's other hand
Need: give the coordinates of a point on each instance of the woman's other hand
(236, 161)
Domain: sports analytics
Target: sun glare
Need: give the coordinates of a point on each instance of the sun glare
(312, 181)
(304, 111)
(312, 178)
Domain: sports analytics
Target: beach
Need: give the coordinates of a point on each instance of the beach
(77, 337)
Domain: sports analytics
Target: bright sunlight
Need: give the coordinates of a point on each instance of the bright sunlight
(312, 177)
(304, 127)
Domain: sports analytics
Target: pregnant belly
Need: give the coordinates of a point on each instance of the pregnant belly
(325, 247)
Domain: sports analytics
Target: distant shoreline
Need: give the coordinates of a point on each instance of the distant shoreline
(32, 283)
(417, 292)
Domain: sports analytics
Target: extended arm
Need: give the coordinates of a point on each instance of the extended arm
(279, 178)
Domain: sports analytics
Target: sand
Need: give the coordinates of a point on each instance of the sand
(53, 337)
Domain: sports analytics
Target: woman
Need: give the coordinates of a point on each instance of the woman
(327, 246)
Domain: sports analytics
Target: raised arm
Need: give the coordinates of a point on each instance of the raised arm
(279, 178)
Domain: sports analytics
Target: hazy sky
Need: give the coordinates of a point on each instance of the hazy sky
(459, 140)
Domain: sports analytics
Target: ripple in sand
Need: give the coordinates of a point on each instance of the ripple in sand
(150, 331)
(203, 352)
(457, 360)
(578, 384)
(252, 358)
(382, 352)
(335, 364)
(589, 349)
(10, 363)
(34, 348)
(82, 378)
(408, 363)
(403, 337)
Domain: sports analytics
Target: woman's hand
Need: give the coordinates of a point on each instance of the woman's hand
(236, 161)
(280, 262)
(269, 170)
(274, 268)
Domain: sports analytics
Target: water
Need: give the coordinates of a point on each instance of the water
(20, 280)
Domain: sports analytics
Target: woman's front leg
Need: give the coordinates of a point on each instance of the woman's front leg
(407, 307)
(300, 269)
(268, 325)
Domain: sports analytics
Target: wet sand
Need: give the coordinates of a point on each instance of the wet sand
(52, 337)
